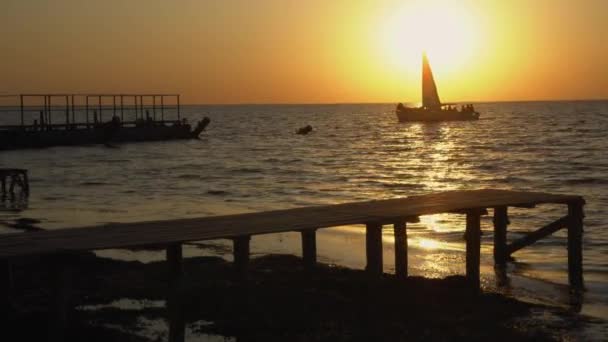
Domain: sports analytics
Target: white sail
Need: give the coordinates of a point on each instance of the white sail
(430, 97)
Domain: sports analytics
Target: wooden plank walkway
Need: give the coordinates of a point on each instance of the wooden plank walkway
(230, 226)
(62, 243)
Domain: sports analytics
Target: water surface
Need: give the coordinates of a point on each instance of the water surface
(251, 160)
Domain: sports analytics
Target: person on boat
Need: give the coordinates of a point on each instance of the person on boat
(400, 106)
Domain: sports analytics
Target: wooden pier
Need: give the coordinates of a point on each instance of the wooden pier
(373, 215)
(14, 177)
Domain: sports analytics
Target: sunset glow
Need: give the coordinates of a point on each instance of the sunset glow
(274, 51)
(448, 32)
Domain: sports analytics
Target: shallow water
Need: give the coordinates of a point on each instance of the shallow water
(251, 160)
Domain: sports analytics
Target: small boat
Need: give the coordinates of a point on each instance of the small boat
(432, 109)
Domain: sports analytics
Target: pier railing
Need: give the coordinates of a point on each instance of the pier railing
(60, 110)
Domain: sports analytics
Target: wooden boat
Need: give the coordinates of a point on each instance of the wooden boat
(42, 133)
(432, 109)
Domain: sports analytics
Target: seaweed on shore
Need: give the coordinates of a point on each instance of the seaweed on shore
(280, 301)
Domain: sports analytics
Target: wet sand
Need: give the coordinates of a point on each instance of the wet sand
(279, 302)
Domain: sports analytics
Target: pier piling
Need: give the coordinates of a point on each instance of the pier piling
(6, 287)
(575, 242)
(177, 325)
(473, 236)
(373, 248)
(309, 248)
(241, 255)
(61, 289)
(501, 221)
(401, 262)
(17, 177)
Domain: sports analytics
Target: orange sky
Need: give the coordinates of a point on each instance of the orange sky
(314, 51)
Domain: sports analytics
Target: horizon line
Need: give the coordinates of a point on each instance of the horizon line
(375, 103)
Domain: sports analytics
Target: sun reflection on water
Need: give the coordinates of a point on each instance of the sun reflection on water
(429, 244)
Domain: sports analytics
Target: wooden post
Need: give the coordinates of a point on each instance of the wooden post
(241, 255)
(309, 248)
(373, 248)
(178, 110)
(100, 112)
(21, 105)
(73, 111)
(162, 108)
(400, 229)
(473, 236)
(575, 244)
(122, 109)
(49, 120)
(501, 221)
(177, 325)
(59, 312)
(86, 110)
(26, 183)
(6, 286)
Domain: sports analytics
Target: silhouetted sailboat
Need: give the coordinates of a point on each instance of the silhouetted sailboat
(432, 109)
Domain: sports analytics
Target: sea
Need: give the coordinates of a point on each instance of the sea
(250, 159)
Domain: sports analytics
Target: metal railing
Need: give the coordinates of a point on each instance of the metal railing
(93, 106)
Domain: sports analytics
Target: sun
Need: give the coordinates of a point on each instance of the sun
(447, 31)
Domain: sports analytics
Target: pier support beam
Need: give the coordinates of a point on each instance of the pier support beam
(241, 255)
(309, 248)
(6, 287)
(575, 244)
(177, 324)
(501, 220)
(473, 236)
(26, 183)
(373, 248)
(400, 229)
(536, 235)
(61, 295)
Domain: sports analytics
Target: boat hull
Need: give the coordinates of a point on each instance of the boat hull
(426, 115)
(18, 138)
